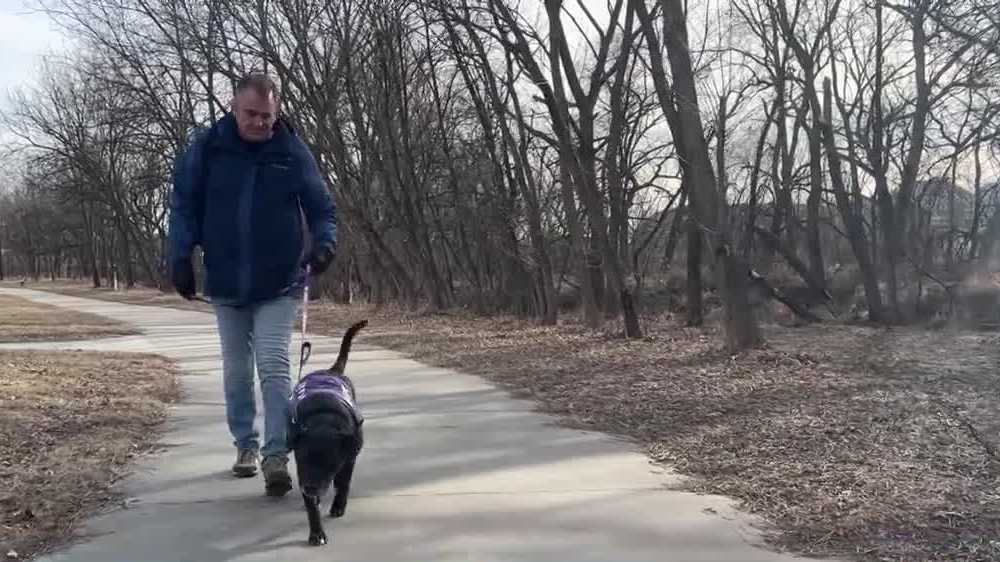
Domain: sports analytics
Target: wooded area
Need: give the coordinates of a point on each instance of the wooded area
(542, 157)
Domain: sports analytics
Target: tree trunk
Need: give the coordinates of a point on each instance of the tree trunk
(891, 235)
(741, 327)
(783, 221)
(977, 203)
(848, 212)
(950, 252)
(680, 216)
(695, 305)
(754, 203)
(591, 312)
(816, 268)
(614, 168)
(720, 162)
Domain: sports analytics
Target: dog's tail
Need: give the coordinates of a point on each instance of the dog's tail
(345, 347)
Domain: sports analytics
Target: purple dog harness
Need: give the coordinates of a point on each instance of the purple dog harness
(323, 383)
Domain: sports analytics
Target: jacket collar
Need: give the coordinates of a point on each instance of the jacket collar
(227, 136)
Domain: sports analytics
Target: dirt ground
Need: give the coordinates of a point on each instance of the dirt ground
(72, 423)
(22, 320)
(858, 442)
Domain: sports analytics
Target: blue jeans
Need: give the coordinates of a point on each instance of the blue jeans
(257, 334)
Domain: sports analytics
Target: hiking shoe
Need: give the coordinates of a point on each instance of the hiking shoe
(277, 481)
(246, 463)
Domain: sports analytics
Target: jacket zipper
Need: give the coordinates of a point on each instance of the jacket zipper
(246, 265)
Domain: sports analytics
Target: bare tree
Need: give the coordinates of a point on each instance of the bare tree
(488, 156)
(679, 101)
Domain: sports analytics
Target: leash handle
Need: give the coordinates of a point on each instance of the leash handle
(306, 350)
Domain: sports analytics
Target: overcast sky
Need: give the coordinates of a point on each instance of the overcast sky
(24, 37)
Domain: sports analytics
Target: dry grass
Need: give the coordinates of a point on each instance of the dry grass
(850, 441)
(22, 320)
(140, 295)
(71, 424)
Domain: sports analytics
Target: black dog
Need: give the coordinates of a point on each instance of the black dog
(325, 433)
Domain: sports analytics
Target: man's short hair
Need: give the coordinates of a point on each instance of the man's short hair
(260, 83)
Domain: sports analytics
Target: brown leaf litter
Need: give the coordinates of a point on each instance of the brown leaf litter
(859, 442)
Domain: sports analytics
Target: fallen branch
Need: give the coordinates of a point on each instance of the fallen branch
(772, 241)
(988, 447)
(776, 294)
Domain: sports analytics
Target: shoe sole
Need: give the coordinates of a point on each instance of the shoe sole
(278, 484)
(245, 471)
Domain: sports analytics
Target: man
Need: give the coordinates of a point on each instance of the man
(240, 191)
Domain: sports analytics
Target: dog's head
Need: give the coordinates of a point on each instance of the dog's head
(325, 440)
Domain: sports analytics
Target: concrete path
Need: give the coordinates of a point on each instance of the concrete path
(453, 469)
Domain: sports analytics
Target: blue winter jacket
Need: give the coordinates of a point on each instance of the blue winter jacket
(243, 204)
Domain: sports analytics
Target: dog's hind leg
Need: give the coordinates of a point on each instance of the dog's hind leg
(342, 483)
(317, 537)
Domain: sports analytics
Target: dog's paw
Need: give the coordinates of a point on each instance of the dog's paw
(317, 539)
(338, 510)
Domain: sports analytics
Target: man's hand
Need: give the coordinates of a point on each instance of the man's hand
(321, 258)
(182, 276)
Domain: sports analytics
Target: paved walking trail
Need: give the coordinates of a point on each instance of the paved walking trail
(453, 469)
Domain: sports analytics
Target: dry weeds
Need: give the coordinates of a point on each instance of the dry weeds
(23, 320)
(71, 424)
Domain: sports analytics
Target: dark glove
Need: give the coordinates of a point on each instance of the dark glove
(321, 258)
(182, 276)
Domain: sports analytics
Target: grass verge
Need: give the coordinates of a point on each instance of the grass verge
(23, 320)
(72, 423)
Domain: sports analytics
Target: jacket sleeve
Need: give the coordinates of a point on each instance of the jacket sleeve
(184, 224)
(317, 201)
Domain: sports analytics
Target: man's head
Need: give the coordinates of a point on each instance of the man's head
(255, 106)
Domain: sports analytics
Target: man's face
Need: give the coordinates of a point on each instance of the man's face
(255, 115)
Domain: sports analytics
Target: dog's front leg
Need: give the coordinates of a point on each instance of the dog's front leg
(317, 537)
(343, 484)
